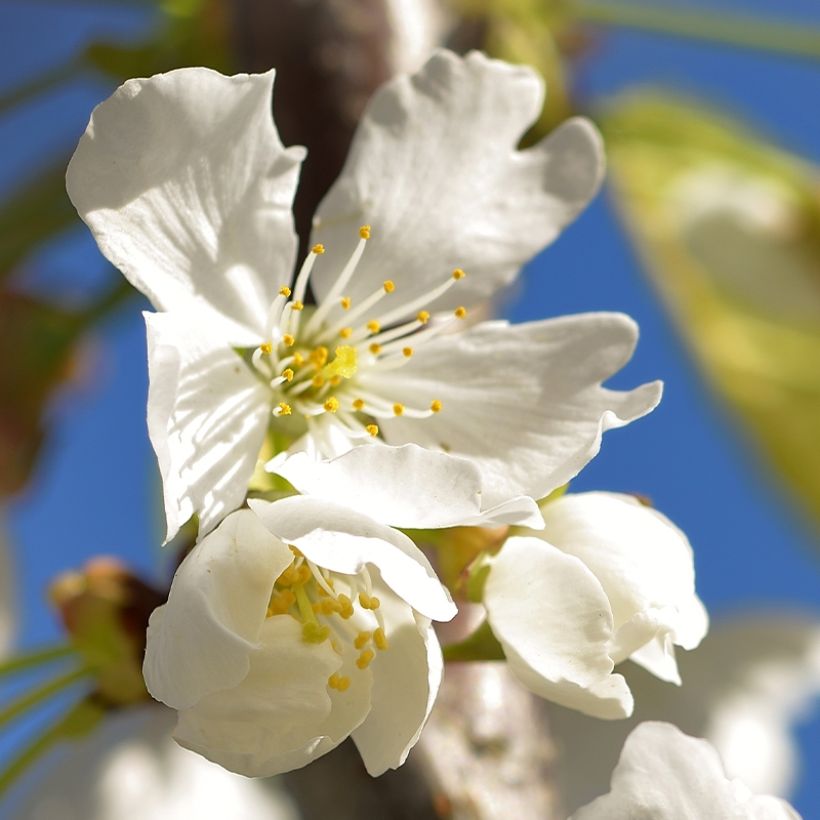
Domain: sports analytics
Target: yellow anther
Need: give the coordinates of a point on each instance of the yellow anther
(423, 316)
(297, 306)
(373, 326)
(266, 348)
(314, 633)
(346, 610)
(368, 601)
(373, 429)
(363, 661)
(375, 348)
(318, 380)
(345, 362)
(281, 602)
(407, 352)
(338, 682)
(318, 249)
(389, 285)
(287, 374)
(362, 639)
(435, 406)
(380, 639)
(345, 302)
(288, 340)
(288, 577)
(398, 409)
(358, 404)
(304, 574)
(364, 232)
(328, 606)
(460, 312)
(331, 405)
(298, 359)
(346, 332)
(318, 356)
(284, 291)
(284, 408)
(458, 273)
(335, 380)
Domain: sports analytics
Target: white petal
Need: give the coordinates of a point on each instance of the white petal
(200, 641)
(207, 417)
(406, 679)
(553, 619)
(642, 560)
(130, 769)
(404, 486)
(524, 402)
(744, 688)
(345, 541)
(666, 775)
(187, 188)
(280, 716)
(434, 169)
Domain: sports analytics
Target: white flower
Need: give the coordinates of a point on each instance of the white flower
(607, 579)
(187, 188)
(130, 769)
(745, 686)
(293, 626)
(665, 775)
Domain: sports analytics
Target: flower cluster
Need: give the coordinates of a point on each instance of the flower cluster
(358, 379)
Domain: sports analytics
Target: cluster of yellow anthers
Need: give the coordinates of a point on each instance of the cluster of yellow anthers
(306, 592)
(297, 360)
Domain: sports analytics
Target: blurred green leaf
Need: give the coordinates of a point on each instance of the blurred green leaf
(37, 342)
(729, 227)
(34, 212)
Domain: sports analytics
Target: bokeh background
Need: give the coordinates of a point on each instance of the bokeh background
(94, 487)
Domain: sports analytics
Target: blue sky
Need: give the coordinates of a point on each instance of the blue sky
(97, 482)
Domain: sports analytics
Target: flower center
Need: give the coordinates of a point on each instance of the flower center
(314, 357)
(314, 597)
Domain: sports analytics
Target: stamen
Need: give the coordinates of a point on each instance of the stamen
(380, 639)
(339, 682)
(373, 429)
(266, 348)
(407, 352)
(389, 285)
(404, 310)
(364, 660)
(458, 273)
(398, 409)
(345, 302)
(373, 326)
(318, 249)
(346, 332)
(331, 405)
(362, 639)
(375, 348)
(435, 406)
(288, 374)
(300, 286)
(282, 409)
(284, 291)
(423, 316)
(460, 312)
(340, 284)
(358, 404)
(288, 340)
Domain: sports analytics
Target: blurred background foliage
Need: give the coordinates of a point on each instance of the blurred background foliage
(726, 223)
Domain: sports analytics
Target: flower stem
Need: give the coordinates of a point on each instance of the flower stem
(735, 30)
(36, 696)
(38, 657)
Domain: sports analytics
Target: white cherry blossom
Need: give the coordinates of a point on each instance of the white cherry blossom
(664, 774)
(293, 626)
(605, 580)
(187, 189)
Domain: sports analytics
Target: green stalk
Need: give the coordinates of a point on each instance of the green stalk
(29, 660)
(42, 693)
(729, 29)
